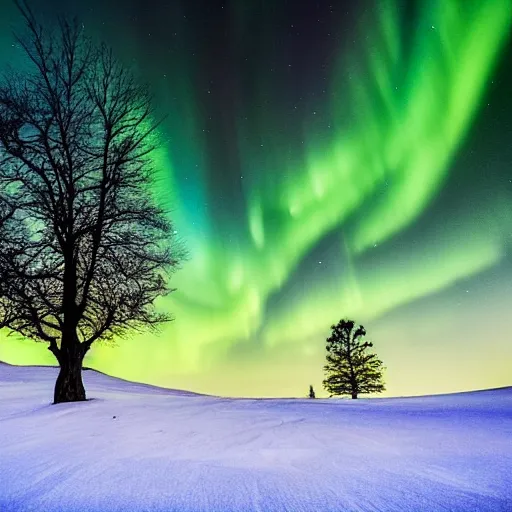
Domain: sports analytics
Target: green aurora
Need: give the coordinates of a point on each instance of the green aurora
(318, 168)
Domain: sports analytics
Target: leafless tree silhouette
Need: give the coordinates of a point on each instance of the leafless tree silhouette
(84, 249)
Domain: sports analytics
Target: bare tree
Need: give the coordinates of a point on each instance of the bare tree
(84, 249)
(351, 368)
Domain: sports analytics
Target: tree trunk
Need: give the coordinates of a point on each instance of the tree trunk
(354, 395)
(69, 386)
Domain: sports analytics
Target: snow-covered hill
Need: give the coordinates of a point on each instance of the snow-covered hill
(139, 448)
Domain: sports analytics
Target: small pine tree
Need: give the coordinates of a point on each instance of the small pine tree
(311, 392)
(350, 368)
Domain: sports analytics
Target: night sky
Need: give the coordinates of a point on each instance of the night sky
(321, 159)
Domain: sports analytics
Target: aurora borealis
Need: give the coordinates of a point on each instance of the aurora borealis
(321, 160)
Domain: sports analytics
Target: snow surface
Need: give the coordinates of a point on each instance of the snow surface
(170, 451)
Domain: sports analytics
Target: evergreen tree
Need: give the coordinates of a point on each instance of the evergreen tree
(311, 392)
(351, 369)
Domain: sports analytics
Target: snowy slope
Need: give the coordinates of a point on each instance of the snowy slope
(175, 451)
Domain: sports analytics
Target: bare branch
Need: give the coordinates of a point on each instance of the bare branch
(84, 251)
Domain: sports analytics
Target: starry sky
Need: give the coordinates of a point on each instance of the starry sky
(320, 159)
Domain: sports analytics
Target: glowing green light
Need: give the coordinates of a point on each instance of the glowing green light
(398, 109)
